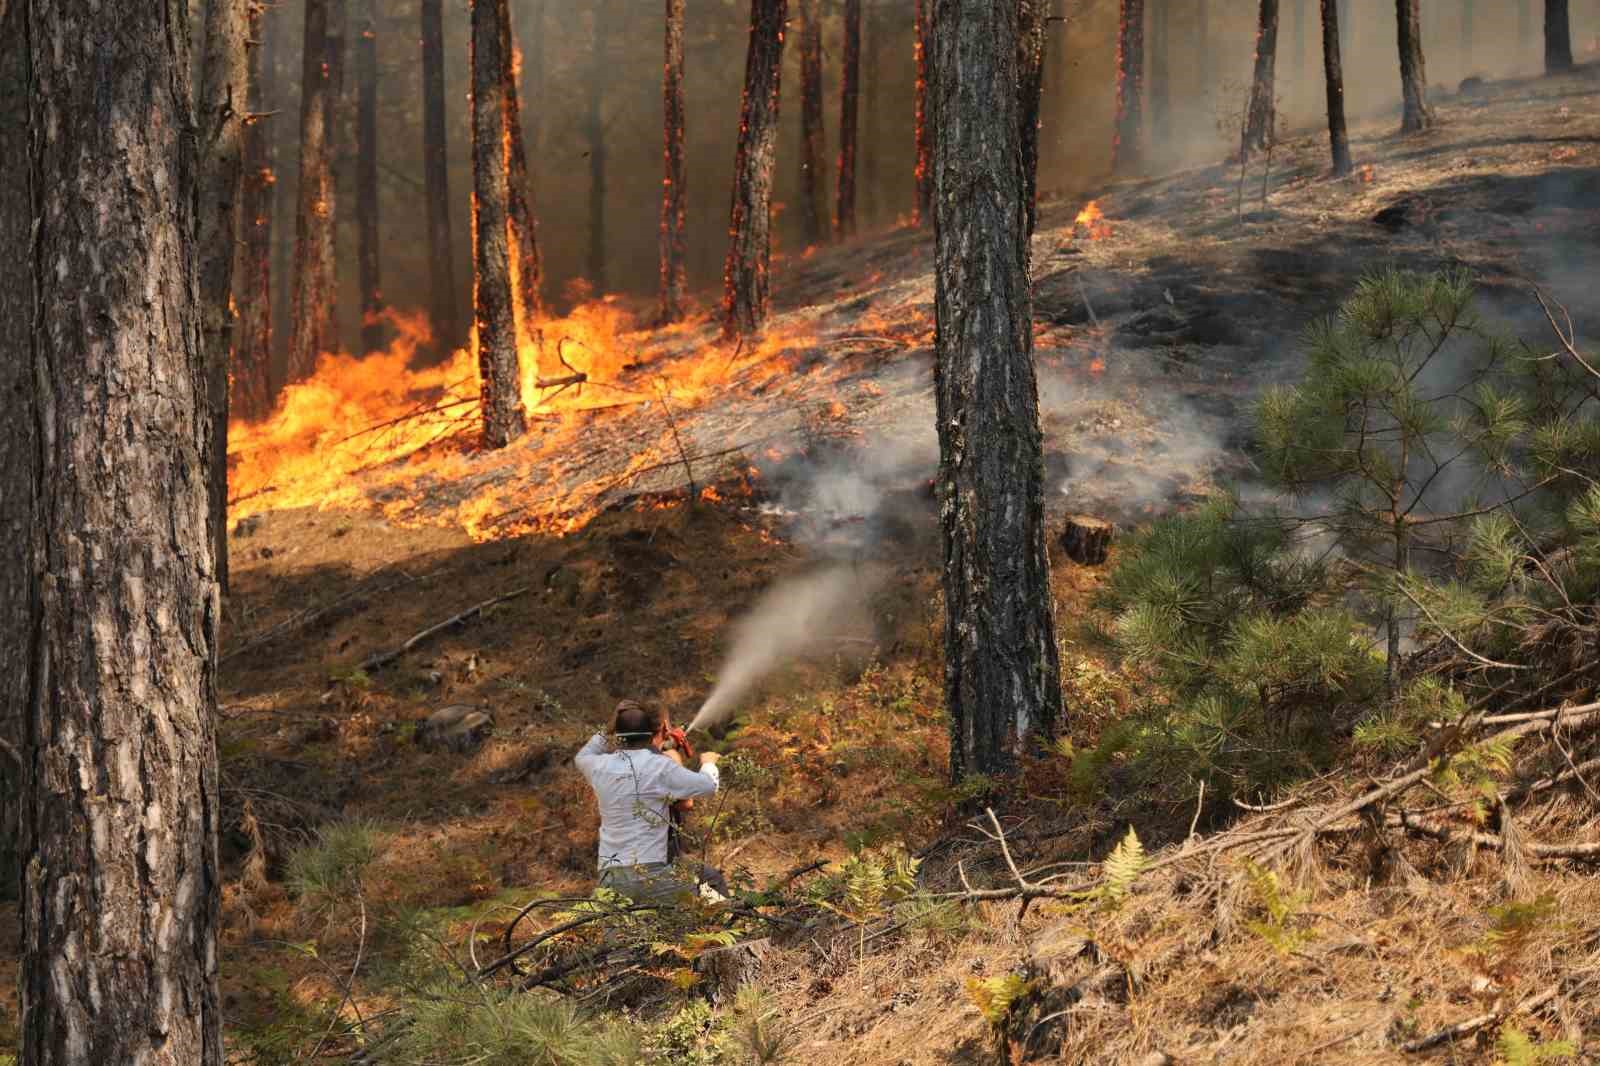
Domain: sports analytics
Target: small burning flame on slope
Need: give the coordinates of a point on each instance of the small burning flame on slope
(1093, 221)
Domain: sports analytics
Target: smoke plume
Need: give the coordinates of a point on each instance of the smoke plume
(796, 618)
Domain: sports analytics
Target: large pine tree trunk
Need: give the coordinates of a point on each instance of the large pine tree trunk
(1557, 36)
(1127, 151)
(310, 333)
(121, 887)
(442, 302)
(367, 251)
(674, 191)
(813, 136)
(1333, 71)
(1032, 18)
(923, 14)
(745, 294)
(1416, 115)
(1262, 116)
(527, 275)
(1002, 678)
(221, 111)
(600, 74)
(339, 129)
(252, 350)
(500, 376)
(844, 207)
(18, 449)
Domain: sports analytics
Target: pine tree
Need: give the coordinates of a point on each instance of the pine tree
(1417, 115)
(311, 327)
(1032, 18)
(1262, 116)
(252, 358)
(527, 276)
(745, 295)
(813, 135)
(1333, 70)
(1128, 149)
(1557, 37)
(674, 190)
(368, 253)
(443, 305)
(1002, 677)
(923, 16)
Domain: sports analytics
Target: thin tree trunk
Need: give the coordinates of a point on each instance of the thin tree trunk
(599, 77)
(745, 293)
(674, 190)
(1333, 71)
(1127, 151)
(310, 314)
(925, 132)
(252, 359)
(338, 125)
(1557, 37)
(221, 111)
(285, 209)
(872, 84)
(367, 179)
(527, 275)
(121, 888)
(499, 372)
(1417, 115)
(1032, 18)
(442, 303)
(813, 136)
(18, 438)
(849, 113)
(1262, 117)
(1002, 676)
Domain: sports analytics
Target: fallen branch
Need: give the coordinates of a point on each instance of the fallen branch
(1472, 1025)
(1412, 824)
(307, 617)
(383, 658)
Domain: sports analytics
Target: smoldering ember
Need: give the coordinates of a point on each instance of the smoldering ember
(720, 532)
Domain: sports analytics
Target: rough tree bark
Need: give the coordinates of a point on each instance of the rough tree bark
(1333, 71)
(499, 372)
(221, 109)
(1417, 115)
(1557, 37)
(844, 207)
(1127, 151)
(18, 448)
(600, 73)
(871, 75)
(674, 190)
(813, 135)
(745, 294)
(367, 251)
(252, 350)
(121, 886)
(923, 46)
(1002, 677)
(442, 304)
(312, 308)
(527, 275)
(338, 127)
(1033, 17)
(1262, 116)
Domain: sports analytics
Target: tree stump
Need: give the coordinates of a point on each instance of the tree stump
(1087, 539)
(728, 968)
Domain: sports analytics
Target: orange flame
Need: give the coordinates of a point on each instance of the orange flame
(1093, 221)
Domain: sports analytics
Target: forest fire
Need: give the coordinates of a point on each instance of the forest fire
(1091, 222)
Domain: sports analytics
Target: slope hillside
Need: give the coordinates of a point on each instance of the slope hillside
(672, 480)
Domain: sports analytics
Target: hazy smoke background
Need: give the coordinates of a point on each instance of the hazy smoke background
(558, 37)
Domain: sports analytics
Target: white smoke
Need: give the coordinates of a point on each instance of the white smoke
(796, 618)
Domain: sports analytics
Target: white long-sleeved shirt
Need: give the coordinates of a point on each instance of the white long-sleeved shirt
(635, 787)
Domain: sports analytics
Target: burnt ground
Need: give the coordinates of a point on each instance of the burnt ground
(1152, 343)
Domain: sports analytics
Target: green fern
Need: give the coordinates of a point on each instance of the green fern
(995, 996)
(1517, 1048)
(1122, 868)
(1278, 926)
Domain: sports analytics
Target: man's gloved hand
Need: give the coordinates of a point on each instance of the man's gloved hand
(709, 758)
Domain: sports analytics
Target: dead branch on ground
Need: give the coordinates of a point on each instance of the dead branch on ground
(382, 658)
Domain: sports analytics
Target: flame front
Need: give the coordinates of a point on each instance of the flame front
(1092, 221)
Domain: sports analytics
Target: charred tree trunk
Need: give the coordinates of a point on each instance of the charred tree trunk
(849, 113)
(1417, 115)
(338, 126)
(221, 112)
(121, 888)
(871, 75)
(1262, 117)
(442, 305)
(1557, 37)
(1032, 18)
(18, 439)
(674, 191)
(367, 253)
(1002, 677)
(311, 313)
(252, 351)
(1127, 153)
(925, 133)
(595, 127)
(499, 373)
(813, 135)
(527, 274)
(1333, 70)
(745, 293)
